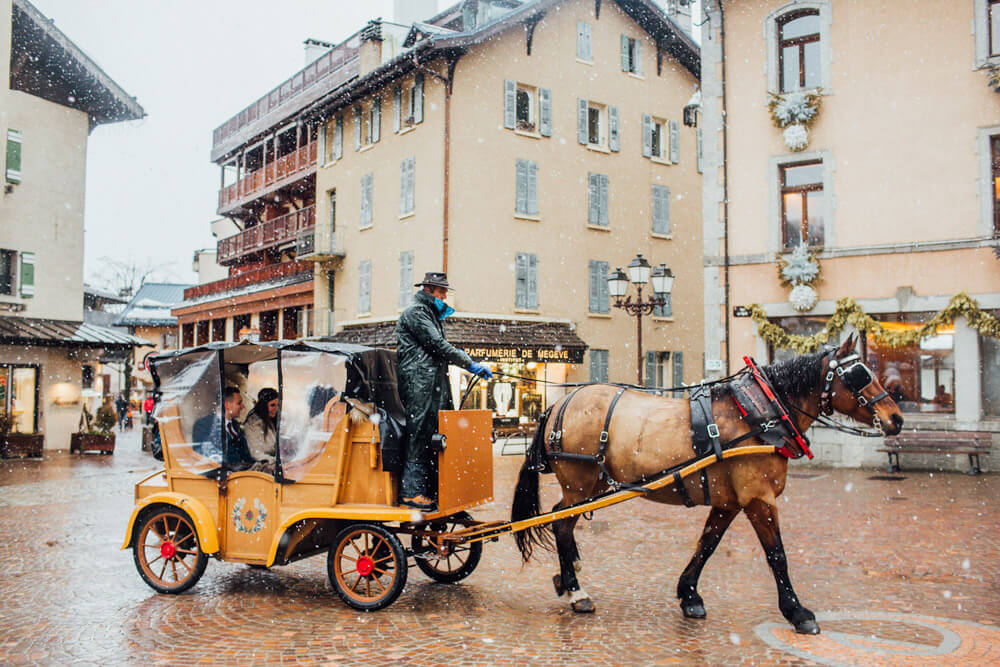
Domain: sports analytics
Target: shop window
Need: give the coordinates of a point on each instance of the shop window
(219, 329)
(269, 325)
(797, 326)
(187, 334)
(8, 272)
(599, 365)
(202, 332)
(19, 397)
(990, 351)
(87, 376)
(798, 50)
(802, 204)
(921, 377)
(241, 326)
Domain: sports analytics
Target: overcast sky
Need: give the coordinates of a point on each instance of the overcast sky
(151, 189)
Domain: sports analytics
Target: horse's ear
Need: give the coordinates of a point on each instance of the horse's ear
(847, 346)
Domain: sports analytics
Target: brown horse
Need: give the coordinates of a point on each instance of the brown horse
(649, 434)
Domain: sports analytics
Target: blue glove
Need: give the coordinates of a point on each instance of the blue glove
(480, 370)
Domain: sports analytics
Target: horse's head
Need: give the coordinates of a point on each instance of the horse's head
(853, 390)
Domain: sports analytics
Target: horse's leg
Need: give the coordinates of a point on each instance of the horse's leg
(687, 586)
(764, 518)
(565, 582)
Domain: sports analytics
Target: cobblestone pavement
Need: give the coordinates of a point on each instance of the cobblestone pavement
(898, 572)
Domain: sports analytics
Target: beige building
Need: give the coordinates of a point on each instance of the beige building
(527, 149)
(895, 190)
(53, 96)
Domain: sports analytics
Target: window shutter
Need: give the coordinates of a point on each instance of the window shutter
(638, 57)
(27, 275)
(625, 62)
(365, 287)
(13, 163)
(698, 140)
(357, 128)
(397, 108)
(405, 278)
(595, 303)
(647, 135)
(338, 138)
(532, 195)
(583, 50)
(412, 194)
(605, 187)
(675, 142)
(418, 94)
(377, 120)
(650, 379)
(322, 144)
(661, 209)
(509, 104)
(594, 199)
(521, 280)
(668, 307)
(366, 201)
(533, 281)
(595, 366)
(521, 187)
(545, 112)
(605, 355)
(581, 121)
(599, 294)
(614, 135)
(678, 370)
(402, 186)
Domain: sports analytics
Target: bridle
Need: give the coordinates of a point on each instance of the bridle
(854, 375)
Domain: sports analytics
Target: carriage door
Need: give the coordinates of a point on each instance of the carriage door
(251, 517)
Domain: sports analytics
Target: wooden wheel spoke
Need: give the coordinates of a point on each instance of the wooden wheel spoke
(448, 563)
(376, 561)
(151, 546)
(353, 560)
(163, 570)
(173, 566)
(184, 563)
(182, 540)
(347, 572)
(379, 582)
(156, 529)
(150, 562)
(354, 588)
(187, 551)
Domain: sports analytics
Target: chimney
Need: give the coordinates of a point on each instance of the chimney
(370, 52)
(314, 48)
(408, 12)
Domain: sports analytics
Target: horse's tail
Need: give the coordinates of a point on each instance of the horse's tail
(526, 501)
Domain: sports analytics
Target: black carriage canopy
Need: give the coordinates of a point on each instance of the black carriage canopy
(309, 376)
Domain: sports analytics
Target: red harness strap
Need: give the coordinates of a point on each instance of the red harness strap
(782, 413)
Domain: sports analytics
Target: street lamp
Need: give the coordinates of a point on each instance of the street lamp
(639, 274)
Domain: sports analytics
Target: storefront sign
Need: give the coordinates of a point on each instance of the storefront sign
(522, 354)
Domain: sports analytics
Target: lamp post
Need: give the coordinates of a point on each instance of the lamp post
(640, 273)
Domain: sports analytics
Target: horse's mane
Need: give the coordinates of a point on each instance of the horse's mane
(798, 376)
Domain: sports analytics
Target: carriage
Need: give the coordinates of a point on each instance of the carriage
(333, 487)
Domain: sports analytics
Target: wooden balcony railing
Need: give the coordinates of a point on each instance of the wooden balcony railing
(256, 182)
(266, 273)
(265, 235)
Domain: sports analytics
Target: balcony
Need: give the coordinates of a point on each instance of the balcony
(286, 169)
(265, 274)
(273, 233)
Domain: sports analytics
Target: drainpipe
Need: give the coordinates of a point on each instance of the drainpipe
(725, 186)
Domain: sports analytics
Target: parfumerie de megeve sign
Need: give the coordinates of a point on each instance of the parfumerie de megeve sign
(521, 354)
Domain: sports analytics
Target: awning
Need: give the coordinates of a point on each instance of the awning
(488, 339)
(63, 333)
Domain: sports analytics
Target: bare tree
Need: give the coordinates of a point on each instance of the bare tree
(125, 276)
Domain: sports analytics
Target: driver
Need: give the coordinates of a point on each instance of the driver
(422, 358)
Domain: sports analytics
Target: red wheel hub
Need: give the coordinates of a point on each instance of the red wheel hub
(365, 566)
(168, 549)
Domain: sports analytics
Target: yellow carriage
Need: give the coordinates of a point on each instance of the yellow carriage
(333, 489)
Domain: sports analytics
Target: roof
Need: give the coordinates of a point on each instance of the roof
(59, 333)
(46, 63)
(151, 305)
(252, 288)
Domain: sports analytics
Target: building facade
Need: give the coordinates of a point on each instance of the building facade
(53, 96)
(895, 192)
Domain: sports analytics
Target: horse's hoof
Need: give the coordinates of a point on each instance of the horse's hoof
(584, 606)
(693, 610)
(807, 627)
(557, 582)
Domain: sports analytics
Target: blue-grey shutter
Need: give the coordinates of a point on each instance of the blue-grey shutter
(599, 294)
(675, 142)
(678, 374)
(509, 104)
(594, 304)
(338, 138)
(520, 280)
(605, 196)
(412, 192)
(533, 282)
(594, 199)
(403, 186)
(647, 135)
(698, 139)
(599, 365)
(405, 278)
(365, 287)
(397, 108)
(545, 112)
(638, 57)
(367, 217)
(583, 50)
(322, 144)
(605, 356)
(668, 307)
(625, 59)
(357, 128)
(581, 121)
(650, 379)
(418, 98)
(614, 134)
(532, 194)
(661, 209)
(521, 187)
(377, 120)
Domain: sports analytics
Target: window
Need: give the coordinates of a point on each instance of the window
(993, 21)
(921, 377)
(372, 129)
(219, 329)
(358, 115)
(600, 299)
(995, 180)
(27, 275)
(667, 309)
(526, 281)
(13, 163)
(405, 278)
(799, 326)
(333, 219)
(87, 376)
(8, 270)
(19, 397)
(631, 55)
(597, 199)
(526, 188)
(798, 50)
(527, 108)
(802, 204)
(365, 287)
(367, 218)
(656, 140)
(990, 351)
(335, 140)
(407, 186)
(408, 104)
(268, 325)
(597, 125)
(661, 209)
(583, 48)
(599, 365)
(304, 325)
(657, 369)
(660, 139)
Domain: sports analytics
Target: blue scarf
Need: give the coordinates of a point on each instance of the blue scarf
(444, 310)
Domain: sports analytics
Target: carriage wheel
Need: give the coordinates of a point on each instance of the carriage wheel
(166, 551)
(457, 565)
(367, 566)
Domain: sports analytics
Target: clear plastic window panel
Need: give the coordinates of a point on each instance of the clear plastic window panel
(190, 411)
(312, 407)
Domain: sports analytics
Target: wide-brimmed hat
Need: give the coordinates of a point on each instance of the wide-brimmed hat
(435, 279)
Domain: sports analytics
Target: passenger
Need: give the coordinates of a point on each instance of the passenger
(260, 429)
(207, 434)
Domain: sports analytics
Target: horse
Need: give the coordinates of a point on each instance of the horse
(647, 434)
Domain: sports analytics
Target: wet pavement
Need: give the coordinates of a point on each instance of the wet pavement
(898, 571)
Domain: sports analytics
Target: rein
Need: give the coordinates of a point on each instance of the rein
(843, 428)
(648, 390)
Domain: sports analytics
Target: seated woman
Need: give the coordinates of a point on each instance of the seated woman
(260, 428)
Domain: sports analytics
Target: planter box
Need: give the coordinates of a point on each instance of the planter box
(88, 442)
(21, 445)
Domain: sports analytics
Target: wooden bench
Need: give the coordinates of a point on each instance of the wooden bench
(972, 443)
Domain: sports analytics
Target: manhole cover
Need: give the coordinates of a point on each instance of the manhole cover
(887, 478)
